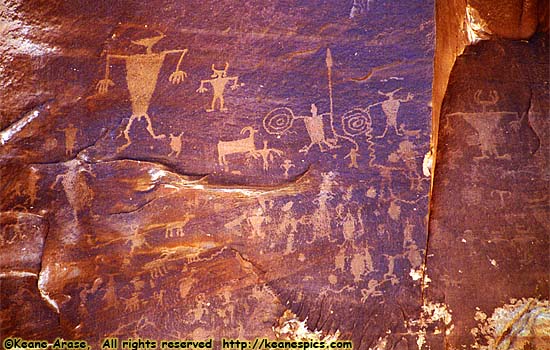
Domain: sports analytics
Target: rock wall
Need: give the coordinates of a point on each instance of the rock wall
(222, 169)
(198, 168)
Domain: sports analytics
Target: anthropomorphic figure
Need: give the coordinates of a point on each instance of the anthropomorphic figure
(79, 194)
(70, 138)
(142, 71)
(486, 124)
(391, 108)
(110, 297)
(316, 132)
(28, 187)
(268, 155)
(286, 166)
(352, 155)
(219, 81)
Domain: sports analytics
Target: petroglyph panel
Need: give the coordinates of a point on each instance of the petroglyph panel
(490, 209)
(23, 233)
(209, 166)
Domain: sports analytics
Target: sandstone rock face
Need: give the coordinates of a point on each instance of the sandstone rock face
(460, 23)
(197, 168)
(211, 169)
(489, 221)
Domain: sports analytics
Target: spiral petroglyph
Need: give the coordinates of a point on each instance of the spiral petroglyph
(278, 120)
(356, 122)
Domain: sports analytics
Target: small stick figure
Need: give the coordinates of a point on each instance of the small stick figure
(287, 164)
(70, 138)
(352, 155)
(268, 154)
(219, 81)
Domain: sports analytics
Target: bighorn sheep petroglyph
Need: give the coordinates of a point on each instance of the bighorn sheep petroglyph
(245, 145)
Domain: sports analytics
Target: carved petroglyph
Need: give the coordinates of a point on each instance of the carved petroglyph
(371, 290)
(289, 225)
(394, 211)
(233, 224)
(485, 123)
(175, 145)
(316, 131)
(268, 155)
(281, 119)
(134, 303)
(201, 308)
(16, 232)
(491, 101)
(83, 296)
(189, 253)
(354, 122)
(278, 121)
(357, 121)
(321, 219)
(137, 283)
(245, 146)
(142, 71)
(286, 166)
(361, 264)
(78, 193)
(352, 226)
(390, 107)
(227, 310)
(185, 285)
(218, 82)
(408, 233)
(256, 220)
(175, 229)
(159, 297)
(360, 7)
(135, 328)
(352, 155)
(157, 268)
(27, 187)
(359, 259)
(110, 297)
(70, 133)
(407, 154)
(390, 275)
(137, 240)
(414, 255)
(501, 195)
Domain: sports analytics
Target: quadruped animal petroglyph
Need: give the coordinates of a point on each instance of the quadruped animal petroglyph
(247, 147)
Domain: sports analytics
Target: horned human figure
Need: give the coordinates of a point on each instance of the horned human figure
(142, 71)
(219, 81)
